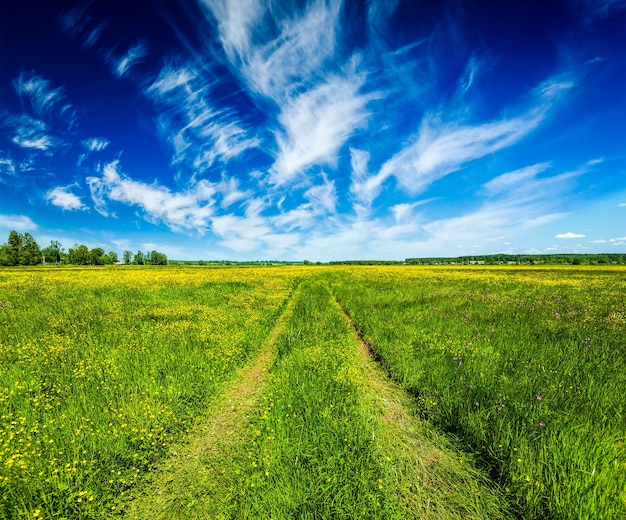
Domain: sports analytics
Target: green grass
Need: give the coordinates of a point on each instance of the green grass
(105, 373)
(102, 369)
(324, 445)
(526, 366)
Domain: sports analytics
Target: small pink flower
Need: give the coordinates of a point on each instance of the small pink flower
(538, 397)
(541, 424)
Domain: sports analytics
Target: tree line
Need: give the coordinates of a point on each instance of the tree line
(22, 249)
(528, 259)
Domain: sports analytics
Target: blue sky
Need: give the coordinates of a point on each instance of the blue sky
(319, 130)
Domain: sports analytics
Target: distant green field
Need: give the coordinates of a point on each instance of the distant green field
(515, 376)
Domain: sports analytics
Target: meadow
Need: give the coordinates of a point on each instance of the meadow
(523, 365)
(391, 392)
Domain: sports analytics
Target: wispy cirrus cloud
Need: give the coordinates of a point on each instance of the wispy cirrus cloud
(7, 168)
(321, 204)
(511, 181)
(316, 124)
(46, 108)
(38, 93)
(20, 223)
(365, 186)
(569, 235)
(442, 148)
(444, 144)
(95, 144)
(276, 50)
(62, 197)
(122, 65)
(76, 23)
(199, 130)
(288, 63)
(513, 203)
(187, 211)
(30, 133)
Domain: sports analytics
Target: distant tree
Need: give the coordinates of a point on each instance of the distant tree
(96, 256)
(127, 256)
(52, 253)
(30, 253)
(78, 255)
(138, 258)
(14, 246)
(157, 258)
(111, 258)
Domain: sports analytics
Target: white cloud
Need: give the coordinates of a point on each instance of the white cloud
(188, 211)
(76, 23)
(7, 167)
(95, 144)
(364, 187)
(278, 61)
(569, 234)
(48, 108)
(319, 107)
(37, 91)
(45, 101)
(554, 88)
(200, 133)
(442, 148)
(93, 35)
(171, 78)
(20, 223)
(62, 197)
(229, 189)
(235, 20)
(322, 201)
(73, 21)
(133, 56)
(316, 124)
(323, 197)
(511, 181)
(31, 133)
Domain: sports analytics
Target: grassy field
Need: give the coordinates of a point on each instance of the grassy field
(102, 368)
(490, 393)
(525, 366)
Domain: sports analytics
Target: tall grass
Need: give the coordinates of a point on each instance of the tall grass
(101, 368)
(524, 365)
(322, 447)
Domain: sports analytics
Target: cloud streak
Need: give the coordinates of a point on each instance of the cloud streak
(188, 211)
(62, 197)
(20, 223)
(569, 235)
(316, 125)
(133, 56)
(198, 131)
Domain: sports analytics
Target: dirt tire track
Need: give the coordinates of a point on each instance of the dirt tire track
(192, 481)
(424, 466)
